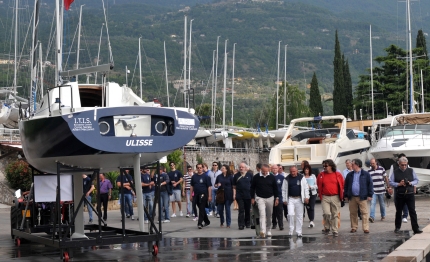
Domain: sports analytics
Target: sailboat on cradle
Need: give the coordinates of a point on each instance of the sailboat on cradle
(99, 125)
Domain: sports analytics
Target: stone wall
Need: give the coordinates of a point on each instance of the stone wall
(251, 157)
(6, 194)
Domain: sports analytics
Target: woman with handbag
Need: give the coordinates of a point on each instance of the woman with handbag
(224, 195)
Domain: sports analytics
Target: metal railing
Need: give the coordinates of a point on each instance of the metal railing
(404, 134)
(8, 135)
(202, 149)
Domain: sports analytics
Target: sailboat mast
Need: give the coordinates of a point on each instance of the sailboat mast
(15, 62)
(225, 83)
(213, 92)
(277, 86)
(371, 76)
(411, 75)
(422, 91)
(189, 63)
(98, 53)
(285, 87)
(232, 85)
(216, 79)
(58, 68)
(167, 81)
(185, 62)
(79, 40)
(33, 86)
(140, 70)
(41, 71)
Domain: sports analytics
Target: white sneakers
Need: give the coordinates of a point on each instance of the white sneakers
(166, 221)
(132, 217)
(210, 214)
(195, 218)
(311, 224)
(146, 221)
(181, 214)
(173, 215)
(269, 233)
(405, 220)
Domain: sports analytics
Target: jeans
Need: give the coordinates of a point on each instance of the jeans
(164, 198)
(187, 194)
(148, 202)
(128, 203)
(310, 207)
(212, 204)
(380, 198)
(90, 210)
(227, 206)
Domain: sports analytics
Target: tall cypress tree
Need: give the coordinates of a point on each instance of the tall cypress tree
(339, 101)
(421, 43)
(315, 104)
(348, 87)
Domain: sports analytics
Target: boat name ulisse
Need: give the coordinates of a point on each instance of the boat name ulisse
(142, 142)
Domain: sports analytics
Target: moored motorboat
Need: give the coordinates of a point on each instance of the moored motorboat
(317, 145)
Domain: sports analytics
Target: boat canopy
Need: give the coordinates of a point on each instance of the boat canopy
(414, 119)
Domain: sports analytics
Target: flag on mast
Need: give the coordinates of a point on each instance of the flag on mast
(67, 4)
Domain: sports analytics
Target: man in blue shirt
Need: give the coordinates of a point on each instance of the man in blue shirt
(88, 190)
(278, 210)
(145, 177)
(201, 187)
(127, 181)
(359, 190)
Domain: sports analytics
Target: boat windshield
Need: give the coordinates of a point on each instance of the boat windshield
(406, 130)
(328, 132)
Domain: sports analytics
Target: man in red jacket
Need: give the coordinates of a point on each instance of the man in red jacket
(330, 190)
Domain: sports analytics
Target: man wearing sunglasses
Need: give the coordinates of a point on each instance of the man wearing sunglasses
(403, 180)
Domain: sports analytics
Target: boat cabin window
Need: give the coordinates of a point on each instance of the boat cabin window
(91, 95)
(407, 130)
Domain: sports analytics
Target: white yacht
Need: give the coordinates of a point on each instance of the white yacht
(408, 134)
(317, 145)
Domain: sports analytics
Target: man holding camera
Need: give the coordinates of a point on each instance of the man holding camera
(403, 180)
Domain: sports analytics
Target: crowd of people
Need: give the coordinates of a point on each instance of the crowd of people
(277, 194)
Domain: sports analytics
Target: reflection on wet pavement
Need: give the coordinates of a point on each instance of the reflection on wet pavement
(346, 247)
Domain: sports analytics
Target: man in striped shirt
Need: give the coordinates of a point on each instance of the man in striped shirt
(186, 189)
(379, 177)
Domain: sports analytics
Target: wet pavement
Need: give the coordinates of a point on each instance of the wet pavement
(184, 242)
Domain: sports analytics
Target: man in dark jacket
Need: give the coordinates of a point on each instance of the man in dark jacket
(359, 190)
(242, 181)
(264, 192)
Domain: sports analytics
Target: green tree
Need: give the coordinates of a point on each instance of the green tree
(315, 104)
(348, 87)
(295, 107)
(176, 157)
(204, 111)
(339, 99)
(421, 45)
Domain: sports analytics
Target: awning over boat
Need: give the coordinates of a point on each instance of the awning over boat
(415, 119)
